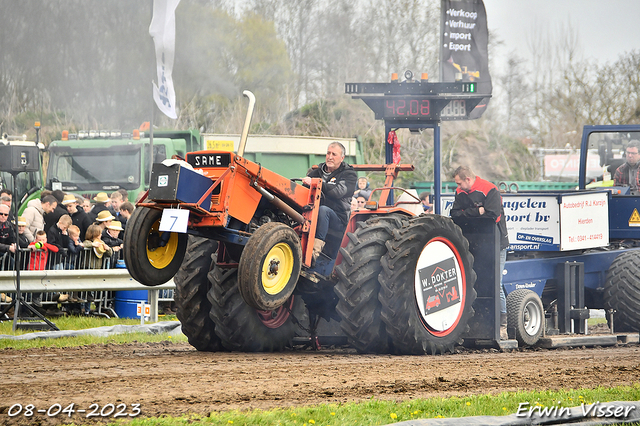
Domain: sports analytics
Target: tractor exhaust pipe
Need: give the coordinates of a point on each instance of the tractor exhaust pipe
(247, 122)
(280, 204)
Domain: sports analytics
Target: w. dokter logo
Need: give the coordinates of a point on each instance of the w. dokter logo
(439, 285)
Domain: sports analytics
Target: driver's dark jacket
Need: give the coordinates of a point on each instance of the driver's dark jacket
(337, 189)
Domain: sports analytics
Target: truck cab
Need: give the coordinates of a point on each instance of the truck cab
(104, 161)
(27, 183)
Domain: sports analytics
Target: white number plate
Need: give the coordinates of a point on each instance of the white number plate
(174, 220)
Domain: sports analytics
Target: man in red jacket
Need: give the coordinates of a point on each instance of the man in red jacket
(476, 197)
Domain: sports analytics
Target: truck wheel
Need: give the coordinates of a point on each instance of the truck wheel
(427, 284)
(269, 266)
(242, 328)
(622, 291)
(192, 286)
(526, 315)
(358, 286)
(150, 260)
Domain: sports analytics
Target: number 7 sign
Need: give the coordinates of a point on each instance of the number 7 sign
(174, 220)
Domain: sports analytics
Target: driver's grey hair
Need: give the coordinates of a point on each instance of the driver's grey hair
(342, 148)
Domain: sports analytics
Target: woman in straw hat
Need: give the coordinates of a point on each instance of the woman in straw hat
(93, 260)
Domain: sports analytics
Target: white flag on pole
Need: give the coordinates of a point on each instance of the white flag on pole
(163, 31)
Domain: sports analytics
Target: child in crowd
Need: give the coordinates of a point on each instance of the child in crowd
(93, 259)
(76, 248)
(25, 236)
(58, 236)
(93, 240)
(38, 260)
(111, 236)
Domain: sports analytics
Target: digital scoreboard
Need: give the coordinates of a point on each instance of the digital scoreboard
(418, 101)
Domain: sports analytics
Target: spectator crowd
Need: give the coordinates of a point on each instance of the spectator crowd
(63, 231)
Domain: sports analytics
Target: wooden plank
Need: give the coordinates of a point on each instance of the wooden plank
(571, 341)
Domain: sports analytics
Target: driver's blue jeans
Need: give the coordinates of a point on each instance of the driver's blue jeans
(326, 217)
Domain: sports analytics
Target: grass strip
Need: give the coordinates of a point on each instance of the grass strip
(379, 412)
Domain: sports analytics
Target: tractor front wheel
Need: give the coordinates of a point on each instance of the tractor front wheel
(152, 256)
(427, 286)
(270, 266)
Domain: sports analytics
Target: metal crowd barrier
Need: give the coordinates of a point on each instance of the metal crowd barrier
(62, 272)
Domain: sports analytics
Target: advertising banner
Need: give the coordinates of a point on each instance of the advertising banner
(584, 220)
(533, 222)
(464, 39)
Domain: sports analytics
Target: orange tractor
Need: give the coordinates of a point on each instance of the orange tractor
(237, 239)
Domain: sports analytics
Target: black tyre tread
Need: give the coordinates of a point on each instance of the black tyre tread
(358, 286)
(190, 296)
(622, 291)
(250, 267)
(516, 301)
(238, 325)
(135, 249)
(399, 313)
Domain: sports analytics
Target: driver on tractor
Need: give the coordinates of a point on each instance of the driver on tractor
(338, 183)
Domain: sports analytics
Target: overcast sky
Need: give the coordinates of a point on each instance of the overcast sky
(605, 28)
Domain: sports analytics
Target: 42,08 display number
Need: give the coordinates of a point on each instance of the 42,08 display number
(94, 410)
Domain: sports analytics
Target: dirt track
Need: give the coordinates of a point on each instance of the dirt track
(169, 378)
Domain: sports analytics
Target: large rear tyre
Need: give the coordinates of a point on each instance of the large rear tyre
(358, 285)
(525, 314)
(270, 266)
(152, 257)
(622, 291)
(242, 328)
(427, 284)
(190, 296)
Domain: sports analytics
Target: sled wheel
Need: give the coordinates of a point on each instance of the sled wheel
(358, 285)
(427, 284)
(525, 314)
(622, 291)
(269, 266)
(240, 327)
(149, 258)
(190, 296)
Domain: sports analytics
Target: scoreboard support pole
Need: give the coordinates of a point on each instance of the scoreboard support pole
(389, 127)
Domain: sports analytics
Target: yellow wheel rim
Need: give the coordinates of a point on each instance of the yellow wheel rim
(277, 268)
(161, 257)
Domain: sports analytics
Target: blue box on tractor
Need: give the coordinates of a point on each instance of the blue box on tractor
(179, 184)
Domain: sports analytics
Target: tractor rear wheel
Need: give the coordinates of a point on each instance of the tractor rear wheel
(190, 296)
(427, 284)
(152, 256)
(525, 314)
(622, 291)
(358, 285)
(242, 328)
(270, 266)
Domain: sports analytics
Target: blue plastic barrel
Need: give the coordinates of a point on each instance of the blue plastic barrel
(126, 302)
